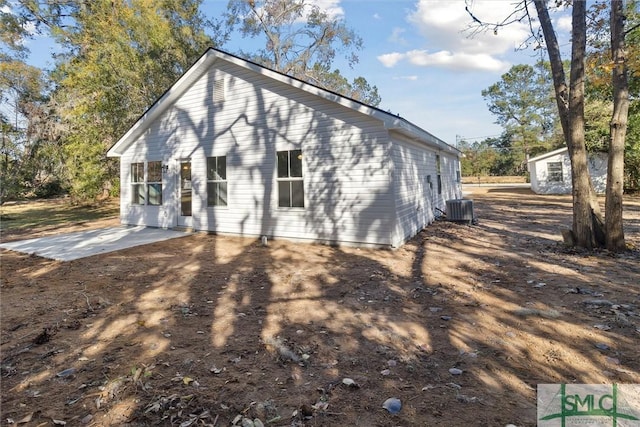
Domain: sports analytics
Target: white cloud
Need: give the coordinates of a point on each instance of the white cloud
(391, 59)
(460, 61)
(445, 25)
(410, 78)
(396, 36)
(563, 23)
(377, 17)
(331, 7)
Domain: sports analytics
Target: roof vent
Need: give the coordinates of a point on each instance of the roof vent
(460, 210)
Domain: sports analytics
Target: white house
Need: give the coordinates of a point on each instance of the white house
(551, 172)
(235, 148)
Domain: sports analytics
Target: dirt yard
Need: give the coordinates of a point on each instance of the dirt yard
(460, 325)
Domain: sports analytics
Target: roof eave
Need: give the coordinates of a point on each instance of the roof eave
(162, 103)
(420, 135)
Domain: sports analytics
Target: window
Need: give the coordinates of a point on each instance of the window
(439, 177)
(217, 181)
(554, 172)
(137, 184)
(290, 182)
(154, 183)
(149, 191)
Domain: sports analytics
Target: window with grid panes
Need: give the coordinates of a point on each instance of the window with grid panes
(217, 181)
(138, 196)
(290, 180)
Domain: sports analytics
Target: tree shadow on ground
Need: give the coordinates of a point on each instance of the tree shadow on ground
(208, 328)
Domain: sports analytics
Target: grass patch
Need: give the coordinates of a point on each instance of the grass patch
(494, 179)
(29, 215)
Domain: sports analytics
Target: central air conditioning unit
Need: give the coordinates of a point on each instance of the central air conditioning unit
(460, 210)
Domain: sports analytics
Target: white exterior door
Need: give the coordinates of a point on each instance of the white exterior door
(185, 195)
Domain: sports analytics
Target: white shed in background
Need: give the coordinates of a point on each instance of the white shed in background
(550, 173)
(236, 148)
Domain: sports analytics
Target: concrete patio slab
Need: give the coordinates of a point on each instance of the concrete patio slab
(70, 246)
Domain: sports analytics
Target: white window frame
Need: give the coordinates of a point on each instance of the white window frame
(144, 182)
(438, 173)
(290, 179)
(154, 183)
(555, 172)
(217, 181)
(136, 177)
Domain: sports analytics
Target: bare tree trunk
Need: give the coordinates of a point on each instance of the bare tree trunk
(583, 225)
(557, 70)
(587, 218)
(615, 172)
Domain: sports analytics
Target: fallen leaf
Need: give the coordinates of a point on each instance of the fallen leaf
(26, 419)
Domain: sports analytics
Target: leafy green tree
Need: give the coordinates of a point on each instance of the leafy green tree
(522, 102)
(301, 40)
(487, 158)
(119, 56)
(31, 160)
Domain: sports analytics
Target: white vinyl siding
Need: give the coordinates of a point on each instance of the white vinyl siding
(416, 195)
(550, 173)
(344, 152)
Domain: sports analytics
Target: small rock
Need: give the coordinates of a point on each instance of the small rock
(602, 327)
(350, 383)
(455, 371)
(393, 405)
(66, 373)
(613, 360)
(258, 423)
(540, 285)
(87, 419)
(392, 363)
(598, 302)
(385, 372)
(621, 319)
(435, 309)
(445, 318)
(246, 422)
(602, 346)
(466, 399)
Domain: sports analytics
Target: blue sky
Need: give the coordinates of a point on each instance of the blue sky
(419, 56)
(425, 66)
